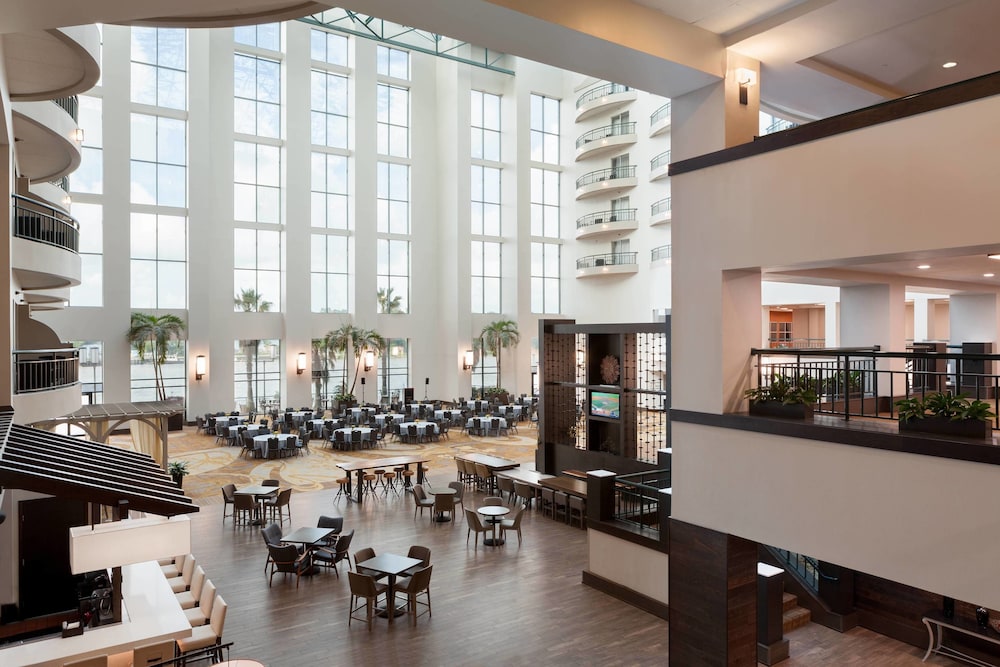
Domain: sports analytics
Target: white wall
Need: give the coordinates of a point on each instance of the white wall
(626, 563)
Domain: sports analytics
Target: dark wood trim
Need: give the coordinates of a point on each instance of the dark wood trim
(631, 533)
(911, 105)
(873, 434)
(821, 613)
(626, 594)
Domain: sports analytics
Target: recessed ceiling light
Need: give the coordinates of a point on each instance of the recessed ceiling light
(988, 275)
(993, 256)
(949, 64)
(924, 266)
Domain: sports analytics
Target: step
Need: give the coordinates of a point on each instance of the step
(795, 618)
(789, 601)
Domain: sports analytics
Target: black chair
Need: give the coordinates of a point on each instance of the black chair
(287, 559)
(326, 557)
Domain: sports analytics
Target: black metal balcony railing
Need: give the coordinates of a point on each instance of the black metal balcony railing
(615, 130)
(663, 252)
(607, 259)
(44, 370)
(68, 104)
(61, 183)
(660, 114)
(37, 221)
(600, 91)
(605, 175)
(601, 217)
(637, 498)
(659, 161)
(778, 125)
(659, 207)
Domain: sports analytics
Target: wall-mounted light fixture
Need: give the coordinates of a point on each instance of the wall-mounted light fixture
(78, 135)
(467, 360)
(300, 364)
(745, 78)
(200, 365)
(369, 360)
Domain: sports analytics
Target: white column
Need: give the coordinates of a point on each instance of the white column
(832, 322)
(876, 315)
(921, 318)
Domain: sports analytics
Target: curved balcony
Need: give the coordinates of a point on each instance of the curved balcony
(608, 264)
(604, 98)
(606, 223)
(605, 182)
(46, 383)
(659, 256)
(659, 212)
(46, 135)
(604, 140)
(44, 248)
(227, 13)
(659, 166)
(44, 64)
(659, 120)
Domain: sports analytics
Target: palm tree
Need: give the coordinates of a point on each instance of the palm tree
(152, 334)
(339, 340)
(496, 336)
(364, 340)
(387, 303)
(323, 357)
(250, 300)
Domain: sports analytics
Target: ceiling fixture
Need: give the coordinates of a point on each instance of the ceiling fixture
(988, 275)
(924, 266)
(994, 256)
(949, 64)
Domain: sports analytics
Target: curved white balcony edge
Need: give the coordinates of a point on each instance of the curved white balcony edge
(229, 14)
(607, 270)
(604, 146)
(40, 405)
(659, 127)
(40, 266)
(610, 187)
(660, 218)
(53, 63)
(659, 173)
(657, 263)
(46, 149)
(605, 103)
(618, 227)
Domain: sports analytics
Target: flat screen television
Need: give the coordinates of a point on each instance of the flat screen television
(604, 404)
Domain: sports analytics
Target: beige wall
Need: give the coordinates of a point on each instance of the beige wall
(633, 566)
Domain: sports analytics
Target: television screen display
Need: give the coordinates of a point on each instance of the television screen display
(604, 404)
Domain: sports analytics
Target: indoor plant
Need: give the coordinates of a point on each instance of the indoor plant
(946, 414)
(177, 470)
(783, 397)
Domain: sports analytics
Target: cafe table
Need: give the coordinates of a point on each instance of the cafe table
(443, 491)
(494, 512)
(258, 491)
(392, 565)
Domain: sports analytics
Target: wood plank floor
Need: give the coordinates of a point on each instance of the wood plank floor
(517, 605)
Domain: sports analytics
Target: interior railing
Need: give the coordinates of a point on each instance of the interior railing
(607, 259)
(660, 160)
(605, 175)
(637, 498)
(807, 568)
(661, 206)
(663, 252)
(659, 114)
(37, 221)
(600, 91)
(614, 130)
(45, 370)
(601, 217)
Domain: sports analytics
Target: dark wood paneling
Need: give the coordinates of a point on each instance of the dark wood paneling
(911, 105)
(571, 458)
(634, 598)
(713, 597)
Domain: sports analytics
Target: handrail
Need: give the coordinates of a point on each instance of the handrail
(660, 160)
(663, 252)
(601, 217)
(40, 222)
(70, 105)
(607, 259)
(806, 567)
(779, 125)
(659, 114)
(602, 90)
(661, 206)
(609, 174)
(45, 370)
(613, 130)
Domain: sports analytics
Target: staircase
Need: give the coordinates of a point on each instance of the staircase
(792, 615)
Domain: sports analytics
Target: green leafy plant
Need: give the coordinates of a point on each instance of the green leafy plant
(782, 389)
(178, 469)
(946, 405)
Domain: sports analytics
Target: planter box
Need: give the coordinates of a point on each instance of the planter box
(779, 409)
(968, 428)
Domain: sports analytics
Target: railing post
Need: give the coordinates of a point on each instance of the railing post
(665, 497)
(600, 495)
(836, 587)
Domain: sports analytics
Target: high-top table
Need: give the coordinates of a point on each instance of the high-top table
(568, 485)
(494, 463)
(532, 478)
(388, 463)
(392, 565)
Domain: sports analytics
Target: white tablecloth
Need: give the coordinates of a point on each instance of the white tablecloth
(260, 441)
(403, 426)
(380, 418)
(477, 405)
(366, 433)
(485, 422)
(414, 408)
(447, 414)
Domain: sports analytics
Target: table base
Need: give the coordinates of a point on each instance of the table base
(493, 542)
(383, 612)
(442, 518)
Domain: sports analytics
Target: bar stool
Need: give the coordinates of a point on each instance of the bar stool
(342, 487)
(389, 482)
(370, 478)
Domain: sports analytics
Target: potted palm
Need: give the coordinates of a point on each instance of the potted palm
(783, 397)
(945, 413)
(178, 470)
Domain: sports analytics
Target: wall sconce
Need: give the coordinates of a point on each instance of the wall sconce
(78, 135)
(300, 364)
(199, 367)
(467, 360)
(369, 360)
(745, 78)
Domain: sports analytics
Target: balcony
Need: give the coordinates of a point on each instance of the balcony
(659, 120)
(659, 212)
(44, 248)
(659, 166)
(660, 256)
(606, 223)
(612, 263)
(44, 64)
(605, 182)
(46, 383)
(605, 140)
(47, 138)
(604, 98)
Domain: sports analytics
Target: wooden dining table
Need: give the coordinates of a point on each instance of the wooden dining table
(569, 485)
(361, 465)
(494, 463)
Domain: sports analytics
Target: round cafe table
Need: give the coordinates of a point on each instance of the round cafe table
(239, 662)
(494, 512)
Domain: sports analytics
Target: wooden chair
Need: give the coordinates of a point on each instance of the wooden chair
(363, 587)
(475, 524)
(493, 501)
(444, 503)
(459, 496)
(576, 511)
(506, 485)
(244, 509)
(421, 552)
(513, 524)
(205, 636)
(228, 499)
(411, 588)
(326, 557)
(285, 558)
(280, 506)
(420, 500)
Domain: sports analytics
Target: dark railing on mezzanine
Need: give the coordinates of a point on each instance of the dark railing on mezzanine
(808, 569)
(605, 175)
(637, 498)
(598, 92)
(663, 252)
(45, 370)
(866, 382)
(607, 259)
(660, 160)
(70, 105)
(614, 130)
(660, 114)
(599, 218)
(37, 221)
(796, 343)
(659, 207)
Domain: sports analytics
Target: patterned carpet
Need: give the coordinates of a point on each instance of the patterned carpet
(212, 465)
